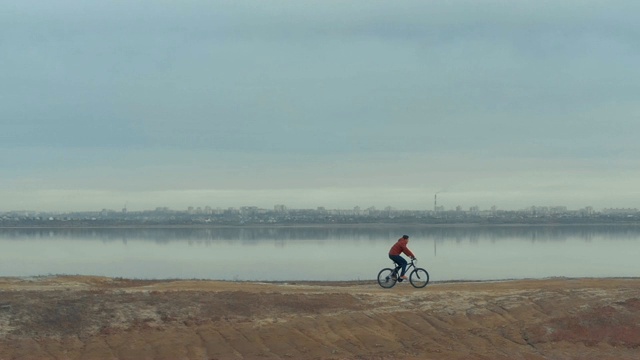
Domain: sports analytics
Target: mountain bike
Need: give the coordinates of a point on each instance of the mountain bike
(418, 277)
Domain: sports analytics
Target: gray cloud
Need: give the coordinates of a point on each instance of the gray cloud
(95, 90)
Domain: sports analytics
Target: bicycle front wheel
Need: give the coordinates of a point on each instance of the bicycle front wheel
(386, 278)
(419, 278)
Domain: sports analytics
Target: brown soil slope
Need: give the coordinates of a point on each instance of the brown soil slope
(102, 318)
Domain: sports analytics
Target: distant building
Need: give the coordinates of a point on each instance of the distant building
(629, 211)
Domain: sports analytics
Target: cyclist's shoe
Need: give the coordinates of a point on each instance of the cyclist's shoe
(404, 277)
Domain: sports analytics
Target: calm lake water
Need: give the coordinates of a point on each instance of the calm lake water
(322, 253)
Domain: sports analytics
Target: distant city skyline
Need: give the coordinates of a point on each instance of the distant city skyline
(405, 198)
(284, 207)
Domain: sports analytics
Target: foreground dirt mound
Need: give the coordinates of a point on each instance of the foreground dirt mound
(103, 318)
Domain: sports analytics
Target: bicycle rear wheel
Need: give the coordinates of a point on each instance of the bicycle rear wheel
(419, 278)
(386, 278)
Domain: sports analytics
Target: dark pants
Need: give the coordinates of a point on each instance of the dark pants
(400, 261)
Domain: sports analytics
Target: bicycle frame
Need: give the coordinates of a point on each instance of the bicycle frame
(410, 264)
(418, 277)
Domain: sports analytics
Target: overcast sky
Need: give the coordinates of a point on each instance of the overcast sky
(318, 103)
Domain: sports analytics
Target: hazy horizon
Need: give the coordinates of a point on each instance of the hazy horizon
(441, 207)
(318, 103)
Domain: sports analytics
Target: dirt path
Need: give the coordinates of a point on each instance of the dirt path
(101, 318)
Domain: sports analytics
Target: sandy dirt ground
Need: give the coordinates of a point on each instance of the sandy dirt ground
(75, 317)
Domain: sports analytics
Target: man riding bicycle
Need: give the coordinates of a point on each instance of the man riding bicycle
(398, 248)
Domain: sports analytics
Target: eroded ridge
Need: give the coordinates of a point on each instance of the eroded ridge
(102, 318)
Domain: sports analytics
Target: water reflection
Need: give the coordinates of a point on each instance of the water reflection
(322, 252)
(351, 233)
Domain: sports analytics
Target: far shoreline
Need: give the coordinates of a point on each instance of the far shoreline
(313, 225)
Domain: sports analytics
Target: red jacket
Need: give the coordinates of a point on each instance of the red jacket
(401, 247)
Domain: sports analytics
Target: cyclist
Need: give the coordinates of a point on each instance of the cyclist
(398, 248)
